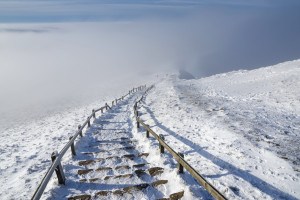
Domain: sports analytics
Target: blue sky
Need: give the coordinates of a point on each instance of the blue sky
(109, 10)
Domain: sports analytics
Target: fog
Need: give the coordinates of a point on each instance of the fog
(56, 50)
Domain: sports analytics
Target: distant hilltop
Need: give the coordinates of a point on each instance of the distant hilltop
(183, 74)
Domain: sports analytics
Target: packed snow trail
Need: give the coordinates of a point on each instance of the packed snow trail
(109, 166)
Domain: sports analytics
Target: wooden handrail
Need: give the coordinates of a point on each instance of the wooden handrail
(210, 188)
(56, 158)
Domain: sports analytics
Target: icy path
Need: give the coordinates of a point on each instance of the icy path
(110, 165)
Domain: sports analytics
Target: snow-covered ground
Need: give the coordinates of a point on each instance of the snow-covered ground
(26, 144)
(114, 144)
(240, 129)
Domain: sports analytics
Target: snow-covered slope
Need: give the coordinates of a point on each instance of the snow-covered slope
(239, 129)
(26, 145)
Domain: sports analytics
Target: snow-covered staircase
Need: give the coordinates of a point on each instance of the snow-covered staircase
(108, 166)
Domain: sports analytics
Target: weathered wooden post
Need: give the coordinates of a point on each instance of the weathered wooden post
(179, 166)
(89, 123)
(94, 114)
(147, 131)
(72, 147)
(137, 123)
(101, 110)
(161, 147)
(80, 133)
(59, 170)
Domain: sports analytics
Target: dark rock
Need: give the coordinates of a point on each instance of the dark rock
(84, 171)
(176, 196)
(159, 182)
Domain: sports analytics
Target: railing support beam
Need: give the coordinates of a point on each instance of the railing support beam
(179, 166)
(59, 170)
(161, 147)
(89, 123)
(80, 133)
(147, 131)
(137, 124)
(72, 147)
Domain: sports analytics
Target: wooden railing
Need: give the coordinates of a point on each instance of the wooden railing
(56, 157)
(178, 156)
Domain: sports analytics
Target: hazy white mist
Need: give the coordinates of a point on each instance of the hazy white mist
(47, 63)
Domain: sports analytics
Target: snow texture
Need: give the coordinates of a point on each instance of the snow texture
(240, 130)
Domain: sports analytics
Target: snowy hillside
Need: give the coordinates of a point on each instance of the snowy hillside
(26, 144)
(239, 129)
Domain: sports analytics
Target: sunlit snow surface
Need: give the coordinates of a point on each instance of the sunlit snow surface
(26, 145)
(239, 129)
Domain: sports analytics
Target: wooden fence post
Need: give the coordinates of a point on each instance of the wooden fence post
(59, 170)
(72, 147)
(161, 147)
(94, 114)
(179, 166)
(137, 123)
(147, 131)
(89, 123)
(80, 133)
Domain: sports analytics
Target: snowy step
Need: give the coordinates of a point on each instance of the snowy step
(81, 197)
(108, 150)
(128, 190)
(174, 196)
(126, 156)
(139, 172)
(159, 182)
(155, 171)
(111, 160)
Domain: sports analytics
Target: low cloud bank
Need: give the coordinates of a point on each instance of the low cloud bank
(47, 61)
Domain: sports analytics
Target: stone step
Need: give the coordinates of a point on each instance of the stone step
(159, 182)
(121, 148)
(81, 197)
(155, 171)
(174, 196)
(129, 190)
(125, 156)
(86, 171)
